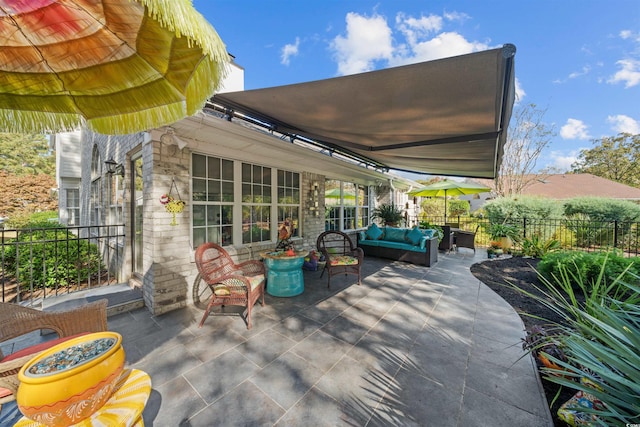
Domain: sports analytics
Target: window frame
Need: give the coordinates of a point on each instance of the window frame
(268, 202)
(344, 215)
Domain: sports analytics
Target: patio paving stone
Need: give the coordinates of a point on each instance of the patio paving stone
(411, 346)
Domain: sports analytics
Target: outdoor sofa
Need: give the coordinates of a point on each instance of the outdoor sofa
(414, 245)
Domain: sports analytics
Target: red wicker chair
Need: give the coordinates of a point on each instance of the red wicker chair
(229, 283)
(341, 255)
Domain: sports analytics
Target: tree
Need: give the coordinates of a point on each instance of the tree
(615, 158)
(528, 135)
(22, 154)
(25, 194)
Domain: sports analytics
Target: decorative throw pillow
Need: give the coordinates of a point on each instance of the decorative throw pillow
(374, 232)
(429, 233)
(413, 236)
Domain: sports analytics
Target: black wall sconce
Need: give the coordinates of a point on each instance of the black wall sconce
(114, 168)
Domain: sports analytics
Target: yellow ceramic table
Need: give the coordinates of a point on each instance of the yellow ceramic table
(124, 408)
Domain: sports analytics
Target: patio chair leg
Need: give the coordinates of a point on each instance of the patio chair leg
(249, 315)
(205, 315)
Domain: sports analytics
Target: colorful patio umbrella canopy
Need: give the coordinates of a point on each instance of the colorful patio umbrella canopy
(120, 66)
(446, 188)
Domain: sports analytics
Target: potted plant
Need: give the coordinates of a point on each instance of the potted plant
(506, 234)
(428, 226)
(390, 215)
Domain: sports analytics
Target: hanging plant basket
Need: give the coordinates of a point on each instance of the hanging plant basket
(173, 205)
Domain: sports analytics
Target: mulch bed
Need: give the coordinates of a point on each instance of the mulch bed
(499, 274)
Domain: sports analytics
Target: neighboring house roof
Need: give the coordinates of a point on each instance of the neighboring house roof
(566, 186)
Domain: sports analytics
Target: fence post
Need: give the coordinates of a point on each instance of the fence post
(524, 228)
(615, 233)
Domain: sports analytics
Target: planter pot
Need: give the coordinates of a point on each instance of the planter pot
(506, 243)
(70, 381)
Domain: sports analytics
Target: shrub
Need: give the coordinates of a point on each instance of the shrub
(536, 247)
(602, 209)
(46, 219)
(51, 257)
(599, 343)
(519, 207)
(585, 267)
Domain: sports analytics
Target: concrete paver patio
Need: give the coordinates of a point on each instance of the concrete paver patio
(411, 346)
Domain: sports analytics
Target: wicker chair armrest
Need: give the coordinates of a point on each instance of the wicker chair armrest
(91, 317)
(17, 320)
(358, 253)
(251, 268)
(232, 276)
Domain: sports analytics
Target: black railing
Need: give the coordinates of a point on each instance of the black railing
(38, 263)
(578, 234)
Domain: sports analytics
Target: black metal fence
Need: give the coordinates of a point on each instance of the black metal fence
(38, 263)
(577, 234)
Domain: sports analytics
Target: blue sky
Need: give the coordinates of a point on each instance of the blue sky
(578, 59)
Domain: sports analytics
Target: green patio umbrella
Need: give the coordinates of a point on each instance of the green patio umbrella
(332, 197)
(448, 188)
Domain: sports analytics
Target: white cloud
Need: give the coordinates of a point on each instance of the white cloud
(574, 129)
(561, 161)
(289, 50)
(629, 73)
(441, 46)
(368, 39)
(456, 16)
(624, 124)
(585, 70)
(625, 34)
(520, 93)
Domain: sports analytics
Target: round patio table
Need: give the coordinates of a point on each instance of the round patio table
(284, 273)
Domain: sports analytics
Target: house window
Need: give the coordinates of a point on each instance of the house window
(289, 199)
(212, 198)
(73, 206)
(256, 203)
(258, 193)
(116, 189)
(346, 205)
(95, 202)
(362, 194)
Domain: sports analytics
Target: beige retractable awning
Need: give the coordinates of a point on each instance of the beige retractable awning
(443, 117)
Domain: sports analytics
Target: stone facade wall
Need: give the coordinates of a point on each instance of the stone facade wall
(167, 249)
(168, 267)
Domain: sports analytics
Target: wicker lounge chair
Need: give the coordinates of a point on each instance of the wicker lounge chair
(341, 255)
(465, 239)
(230, 283)
(16, 320)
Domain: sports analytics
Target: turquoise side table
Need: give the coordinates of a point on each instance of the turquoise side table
(284, 273)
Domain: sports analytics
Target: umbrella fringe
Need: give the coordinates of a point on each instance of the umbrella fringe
(180, 17)
(145, 119)
(206, 80)
(16, 121)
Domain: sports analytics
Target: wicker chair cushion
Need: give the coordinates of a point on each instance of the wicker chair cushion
(237, 286)
(343, 260)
